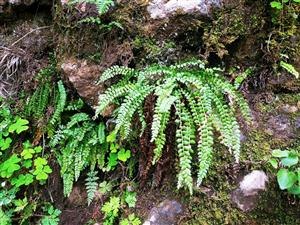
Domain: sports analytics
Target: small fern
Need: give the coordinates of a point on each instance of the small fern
(91, 185)
(78, 145)
(42, 96)
(199, 96)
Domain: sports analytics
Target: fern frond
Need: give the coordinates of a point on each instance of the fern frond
(110, 95)
(132, 102)
(160, 140)
(205, 149)
(91, 185)
(77, 118)
(185, 137)
(60, 105)
(115, 71)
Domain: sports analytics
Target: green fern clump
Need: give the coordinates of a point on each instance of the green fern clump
(78, 145)
(203, 101)
(41, 98)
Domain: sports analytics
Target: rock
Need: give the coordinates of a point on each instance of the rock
(246, 195)
(166, 213)
(161, 8)
(83, 77)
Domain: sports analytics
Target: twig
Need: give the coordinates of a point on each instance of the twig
(39, 28)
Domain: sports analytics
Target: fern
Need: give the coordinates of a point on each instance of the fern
(78, 145)
(91, 185)
(40, 100)
(60, 105)
(203, 101)
(101, 5)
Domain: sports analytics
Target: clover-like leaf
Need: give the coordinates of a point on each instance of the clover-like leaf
(19, 126)
(27, 163)
(27, 153)
(8, 167)
(5, 143)
(123, 155)
(22, 180)
(40, 162)
(276, 5)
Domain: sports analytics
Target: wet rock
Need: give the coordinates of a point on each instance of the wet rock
(161, 8)
(246, 195)
(166, 213)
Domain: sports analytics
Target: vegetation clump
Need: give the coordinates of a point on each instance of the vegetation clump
(202, 99)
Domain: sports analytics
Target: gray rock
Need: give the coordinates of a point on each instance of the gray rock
(166, 213)
(161, 8)
(246, 195)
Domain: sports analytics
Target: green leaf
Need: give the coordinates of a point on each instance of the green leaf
(274, 163)
(295, 190)
(276, 5)
(112, 160)
(38, 149)
(101, 133)
(8, 167)
(27, 153)
(40, 162)
(130, 199)
(111, 137)
(280, 154)
(166, 104)
(19, 126)
(286, 179)
(290, 160)
(5, 143)
(40, 174)
(290, 68)
(27, 163)
(297, 1)
(47, 169)
(105, 187)
(124, 155)
(22, 180)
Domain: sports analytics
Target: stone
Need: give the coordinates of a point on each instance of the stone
(83, 77)
(159, 9)
(166, 213)
(246, 195)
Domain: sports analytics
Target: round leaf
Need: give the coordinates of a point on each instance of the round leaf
(286, 178)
